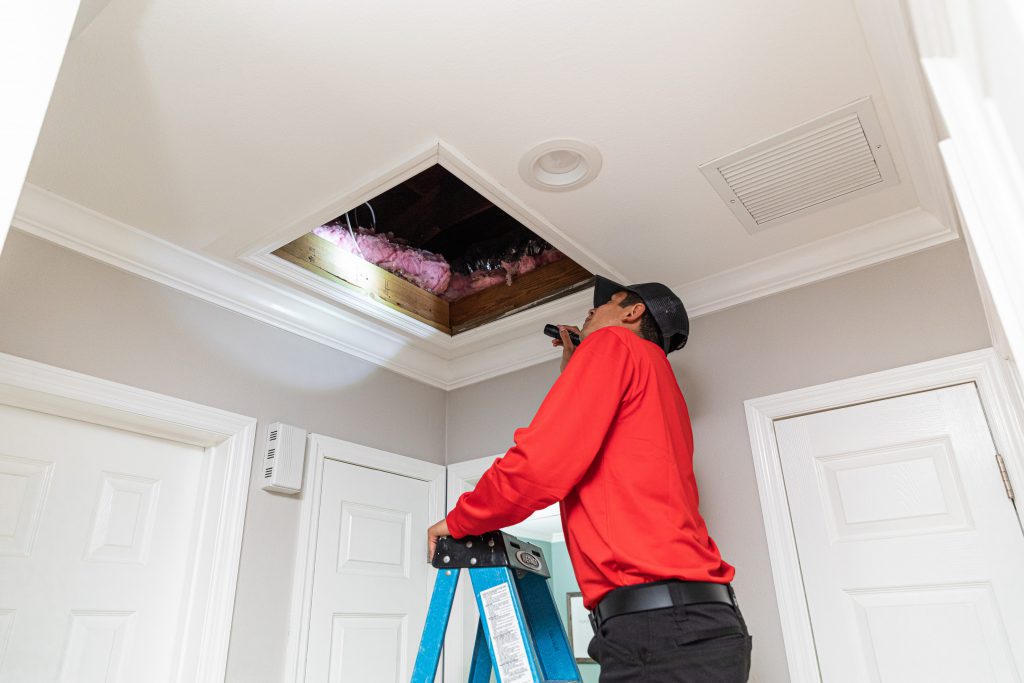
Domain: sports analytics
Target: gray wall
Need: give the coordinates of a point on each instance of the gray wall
(66, 310)
(914, 309)
(61, 308)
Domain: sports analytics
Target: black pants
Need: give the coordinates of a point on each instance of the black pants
(702, 643)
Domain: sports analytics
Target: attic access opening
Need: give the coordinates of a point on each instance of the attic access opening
(436, 250)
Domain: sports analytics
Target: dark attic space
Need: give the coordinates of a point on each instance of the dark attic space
(435, 249)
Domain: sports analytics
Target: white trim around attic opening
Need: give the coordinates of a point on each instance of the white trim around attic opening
(228, 440)
(1003, 410)
(446, 346)
(318, 449)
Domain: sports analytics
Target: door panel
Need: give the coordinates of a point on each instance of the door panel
(96, 530)
(370, 580)
(909, 548)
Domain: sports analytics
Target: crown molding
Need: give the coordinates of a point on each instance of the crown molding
(988, 178)
(892, 47)
(960, 60)
(495, 349)
(51, 217)
(864, 246)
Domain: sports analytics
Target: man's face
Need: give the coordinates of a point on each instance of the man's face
(609, 314)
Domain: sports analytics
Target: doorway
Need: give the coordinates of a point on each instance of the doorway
(121, 517)
(894, 536)
(362, 581)
(909, 546)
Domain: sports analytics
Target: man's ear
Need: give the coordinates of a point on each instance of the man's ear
(634, 313)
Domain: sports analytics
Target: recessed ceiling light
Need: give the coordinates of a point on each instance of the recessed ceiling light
(558, 165)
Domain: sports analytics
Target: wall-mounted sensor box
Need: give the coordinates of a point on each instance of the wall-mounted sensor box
(283, 457)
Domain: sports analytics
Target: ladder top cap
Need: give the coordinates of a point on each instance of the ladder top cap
(493, 549)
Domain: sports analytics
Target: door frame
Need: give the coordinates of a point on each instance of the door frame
(228, 442)
(1000, 402)
(320, 448)
(460, 474)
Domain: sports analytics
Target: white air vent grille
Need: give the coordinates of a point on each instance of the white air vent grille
(826, 161)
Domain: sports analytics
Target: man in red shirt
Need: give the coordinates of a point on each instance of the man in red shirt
(612, 442)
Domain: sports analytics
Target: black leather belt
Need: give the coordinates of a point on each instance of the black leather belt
(658, 595)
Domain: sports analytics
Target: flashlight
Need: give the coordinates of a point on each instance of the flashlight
(552, 331)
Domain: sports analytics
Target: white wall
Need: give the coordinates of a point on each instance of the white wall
(61, 308)
(33, 35)
(917, 308)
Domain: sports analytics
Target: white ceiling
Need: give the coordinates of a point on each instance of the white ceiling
(215, 125)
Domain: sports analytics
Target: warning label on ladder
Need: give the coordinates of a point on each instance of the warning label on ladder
(512, 665)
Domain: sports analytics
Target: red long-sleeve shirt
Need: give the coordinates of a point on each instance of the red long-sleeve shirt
(612, 441)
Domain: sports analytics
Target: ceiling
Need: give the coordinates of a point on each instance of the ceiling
(215, 126)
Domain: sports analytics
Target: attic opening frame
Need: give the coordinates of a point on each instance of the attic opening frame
(440, 154)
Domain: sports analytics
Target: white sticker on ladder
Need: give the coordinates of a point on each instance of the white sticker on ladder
(511, 661)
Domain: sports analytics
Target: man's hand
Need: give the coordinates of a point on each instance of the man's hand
(565, 342)
(433, 533)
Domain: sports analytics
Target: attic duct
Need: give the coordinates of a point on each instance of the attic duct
(438, 251)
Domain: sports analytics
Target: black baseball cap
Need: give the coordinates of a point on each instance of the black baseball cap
(666, 308)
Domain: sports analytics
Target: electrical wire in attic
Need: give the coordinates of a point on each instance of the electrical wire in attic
(486, 264)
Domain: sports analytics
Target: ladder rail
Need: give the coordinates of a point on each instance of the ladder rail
(429, 654)
(548, 633)
(480, 668)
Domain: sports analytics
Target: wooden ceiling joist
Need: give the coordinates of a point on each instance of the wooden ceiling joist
(526, 291)
(323, 258)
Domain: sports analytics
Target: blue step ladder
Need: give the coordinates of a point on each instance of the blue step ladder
(520, 634)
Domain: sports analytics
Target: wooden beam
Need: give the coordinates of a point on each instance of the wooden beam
(325, 259)
(539, 286)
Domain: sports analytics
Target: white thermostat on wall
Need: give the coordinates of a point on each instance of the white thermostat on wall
(283, 458)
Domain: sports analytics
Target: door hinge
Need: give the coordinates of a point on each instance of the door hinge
(1006, 477)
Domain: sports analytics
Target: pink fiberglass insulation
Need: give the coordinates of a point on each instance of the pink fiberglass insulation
(422, 268)
(428, 270)
(463, 285)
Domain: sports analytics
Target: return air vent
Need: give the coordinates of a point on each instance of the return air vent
(823, 162)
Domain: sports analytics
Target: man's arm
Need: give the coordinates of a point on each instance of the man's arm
(555, 451)
(564, 341)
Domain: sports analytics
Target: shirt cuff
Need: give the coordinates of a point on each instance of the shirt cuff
(455, 527)
(501, 512)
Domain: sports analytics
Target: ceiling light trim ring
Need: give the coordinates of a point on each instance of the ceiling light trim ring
(561, 164)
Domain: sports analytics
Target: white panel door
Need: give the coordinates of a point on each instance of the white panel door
(96, 525)
(911, 554)
(370, 578)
